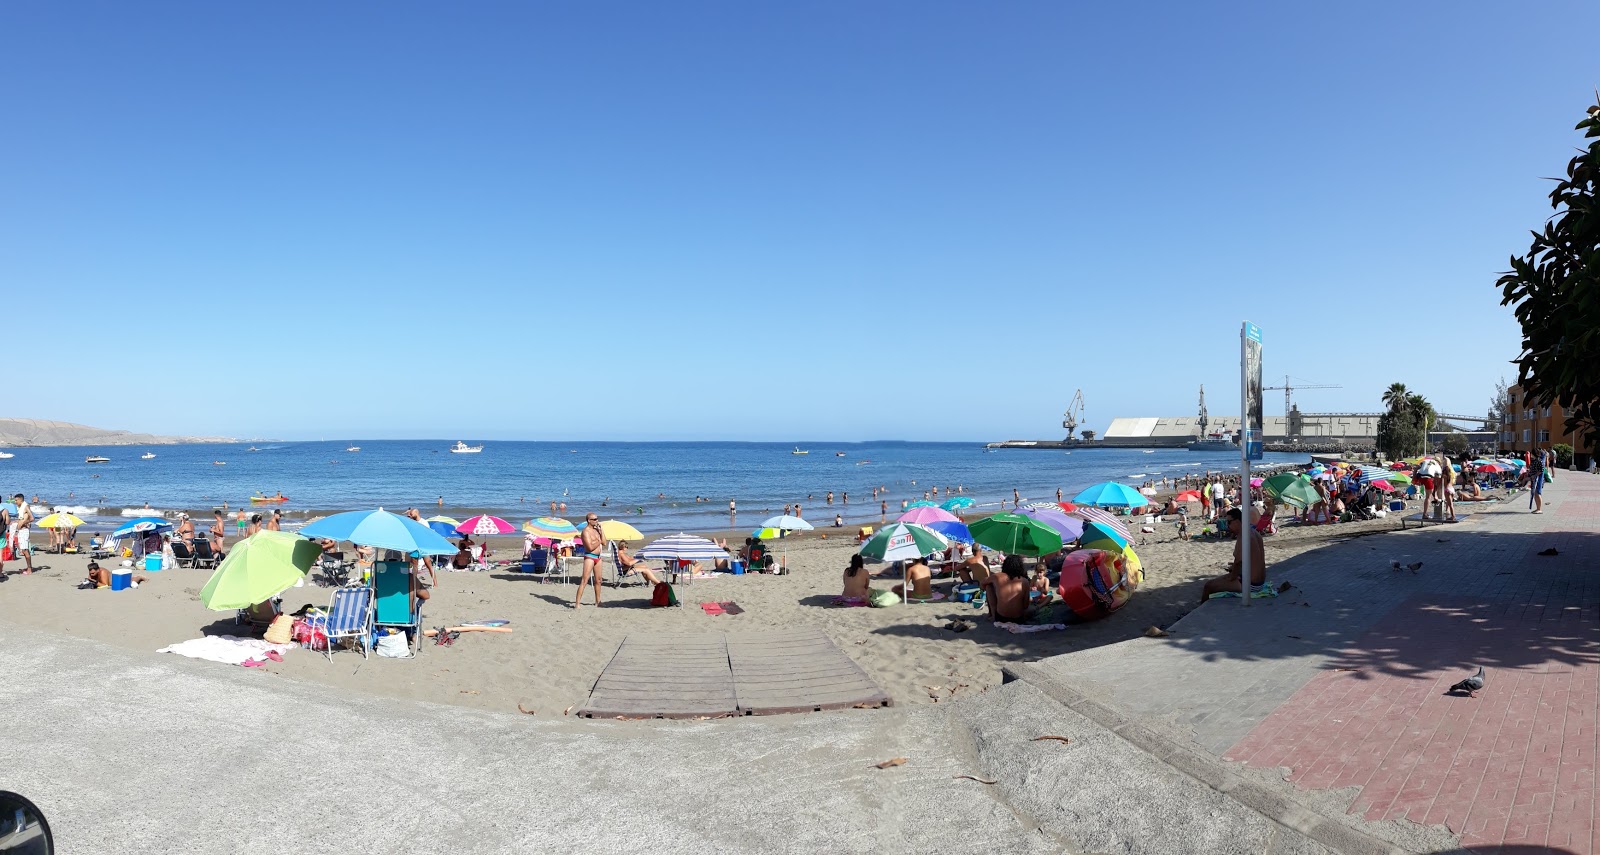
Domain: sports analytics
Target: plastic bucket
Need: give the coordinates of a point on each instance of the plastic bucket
(121, 580)
(152, 563)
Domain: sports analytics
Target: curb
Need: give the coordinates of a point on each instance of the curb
(1339, 836)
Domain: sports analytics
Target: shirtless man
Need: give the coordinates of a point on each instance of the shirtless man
(918, 581)
(631, 565)
(1258, 559)
(593, 543)
(1006, 592)
(219, 530)
(20, 527)
(974, 570)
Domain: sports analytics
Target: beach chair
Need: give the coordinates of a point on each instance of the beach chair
(392, 603)
(205, 558)
(259, 616)
(760, 559)
(182, 555)
(335, 571)
(537, 561)
(618, 574)
(350, 616)
(99, 547)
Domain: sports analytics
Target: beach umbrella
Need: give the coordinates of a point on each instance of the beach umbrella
(1487, 468)
(1383, 486)
(921, 503)
(1015, 534)
(444, 519)
(769, 533)
(957, 503)
(619, 531)
(681, 547)
(1068, 527)
(1397, 465)
(927, 514)
(142, 525)
(1274, 485)
(1042, 506)
(1104, 518)
(1398, 479)
(259, 568)
(951, 531)
(554, 528)
(901, 541)
(382, 530)
(788, 522)
(1110, 494)
(484, 525)
(1066, 507)
(1300, 494)
(1255, 482)
(1099, 535)
(1147, 491)
(1188, 496)
(60, 520)
(445, 529)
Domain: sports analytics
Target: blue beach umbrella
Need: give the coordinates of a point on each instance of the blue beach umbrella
(921, 503)
(443, 529)
(380, 529)
(1110, 494)
(142, 525)
(957, 503)
(951, 530)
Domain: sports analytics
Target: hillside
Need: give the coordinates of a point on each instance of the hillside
(40, 432)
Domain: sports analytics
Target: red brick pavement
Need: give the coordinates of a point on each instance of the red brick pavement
(1515, 765)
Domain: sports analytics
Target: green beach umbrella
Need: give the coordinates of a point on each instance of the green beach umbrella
(902, 541)
(259, 568)
(1015, 534)
(1292, 489)
(1398, 479)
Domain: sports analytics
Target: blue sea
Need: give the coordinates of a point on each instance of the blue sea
(653, 485)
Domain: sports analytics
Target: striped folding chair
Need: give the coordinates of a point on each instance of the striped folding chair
(350, 616)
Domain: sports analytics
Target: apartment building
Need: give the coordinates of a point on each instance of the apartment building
(1528, 426)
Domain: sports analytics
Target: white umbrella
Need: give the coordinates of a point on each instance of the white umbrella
(681, 547)
(788, 522)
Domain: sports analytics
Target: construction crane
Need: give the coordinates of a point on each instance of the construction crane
(1074, 414)
(1288, 391)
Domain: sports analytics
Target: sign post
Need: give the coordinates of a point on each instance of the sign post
(1250, 433)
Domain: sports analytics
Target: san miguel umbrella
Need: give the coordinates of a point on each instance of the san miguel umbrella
(1015, 534)
(259, 568)
(142, 525)
(382, 530)
(901, 542)
(1110, 494)
(485, 525)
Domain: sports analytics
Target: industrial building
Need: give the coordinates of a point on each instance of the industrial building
(1178, 431)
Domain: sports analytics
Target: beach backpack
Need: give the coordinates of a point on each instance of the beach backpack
(663, 595)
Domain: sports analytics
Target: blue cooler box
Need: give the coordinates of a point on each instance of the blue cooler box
(152, 563)
(121, 580)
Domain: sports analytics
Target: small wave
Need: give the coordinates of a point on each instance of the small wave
(143, 512)
(1138, 475)
(75, 510)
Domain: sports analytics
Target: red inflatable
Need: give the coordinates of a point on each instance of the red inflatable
(1095, 583)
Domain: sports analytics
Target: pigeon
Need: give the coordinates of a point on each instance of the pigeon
(1471, 685)
(1414, 566)
(1395, 565)
(1551, 551)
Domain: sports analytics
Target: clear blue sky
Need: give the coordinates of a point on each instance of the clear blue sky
(765, 221)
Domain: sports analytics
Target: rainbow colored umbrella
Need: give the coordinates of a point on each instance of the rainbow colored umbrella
(554, 528)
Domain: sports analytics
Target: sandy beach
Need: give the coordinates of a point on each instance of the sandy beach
(551, 659)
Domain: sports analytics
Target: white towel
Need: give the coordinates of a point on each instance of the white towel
(227, 649)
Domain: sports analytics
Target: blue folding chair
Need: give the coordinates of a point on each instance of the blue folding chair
(350, 616)
(393, 605)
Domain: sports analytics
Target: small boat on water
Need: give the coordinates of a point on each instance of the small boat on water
(252, 448)
(219, 463)
(94, 458)
(838, 454)
(147, 456)
(1149, 451)
(6, 455)
(462, 448)
(259, 499)
(798, 451)
(353, 448)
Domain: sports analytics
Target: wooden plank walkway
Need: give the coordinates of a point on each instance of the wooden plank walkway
(797, 671)
(708, 675)
(665, 676)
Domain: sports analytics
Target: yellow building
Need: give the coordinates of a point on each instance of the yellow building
(1528, 427)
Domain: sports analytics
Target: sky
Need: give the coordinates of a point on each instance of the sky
(762, 221)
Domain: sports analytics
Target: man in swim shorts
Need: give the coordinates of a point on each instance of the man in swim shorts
(1230, 581)
(592, 542)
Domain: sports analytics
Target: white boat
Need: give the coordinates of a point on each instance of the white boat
(96, 459)
(252, 448)
(219, 463)
(147, 456)
(798, 451)
(6, 455)
(354, 448)
(462, 448)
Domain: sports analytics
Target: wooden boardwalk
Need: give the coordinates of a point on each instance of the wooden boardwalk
(710, 675)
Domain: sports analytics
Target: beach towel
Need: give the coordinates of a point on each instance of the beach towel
(933, 597)
(728, 608)
(1029, 627)
(1257, 592)
(227, 649)
(849, 602)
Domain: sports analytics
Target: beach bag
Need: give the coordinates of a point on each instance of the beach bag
(309, 634)
(281, 631)
(663, 596)
(6, 554)
(394, 646)
(883, 599)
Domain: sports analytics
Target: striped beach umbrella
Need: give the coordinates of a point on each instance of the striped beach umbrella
(554, 528)
(142, 525)
(927, 514)
(1098, 516)
(484, 525)
(1098, 535)
(681, 547)
(1043, 506)
(902, 541)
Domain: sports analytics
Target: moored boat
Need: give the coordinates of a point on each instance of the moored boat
(462, 448)
(95, 458)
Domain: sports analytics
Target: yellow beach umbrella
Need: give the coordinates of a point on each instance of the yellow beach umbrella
(443, 519)
(619, 530)
(59, 520)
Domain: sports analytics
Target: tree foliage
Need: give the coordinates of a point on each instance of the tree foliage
(1403, 429)
(1563, 453)
(1499, 407)
(1455, 445)
(1555, 290)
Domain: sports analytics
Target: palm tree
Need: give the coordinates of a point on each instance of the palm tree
(1423, 412)
(1395, 397)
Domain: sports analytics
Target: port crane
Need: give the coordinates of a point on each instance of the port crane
(1288, 391)
(1074, 414)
